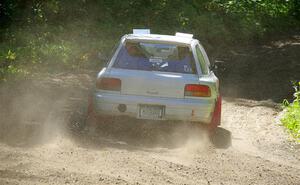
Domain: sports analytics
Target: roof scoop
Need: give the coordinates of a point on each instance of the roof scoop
(141, 31)
(186, 35)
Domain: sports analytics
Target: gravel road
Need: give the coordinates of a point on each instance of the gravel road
(36, 148)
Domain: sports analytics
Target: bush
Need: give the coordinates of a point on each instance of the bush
(291, 118)
(67, 35)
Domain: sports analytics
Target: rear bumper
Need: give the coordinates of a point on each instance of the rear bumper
(106, 104)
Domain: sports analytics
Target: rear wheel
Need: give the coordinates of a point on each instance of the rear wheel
(221, 138)
(82, 117)
(78, 118)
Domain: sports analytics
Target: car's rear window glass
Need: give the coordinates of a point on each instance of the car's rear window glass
(155, 57)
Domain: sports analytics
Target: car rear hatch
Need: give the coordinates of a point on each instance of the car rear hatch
(153, 83)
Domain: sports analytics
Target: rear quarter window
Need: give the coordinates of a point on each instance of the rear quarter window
(202, 62)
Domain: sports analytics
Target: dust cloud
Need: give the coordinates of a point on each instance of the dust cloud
(34, 112)
(193, 141)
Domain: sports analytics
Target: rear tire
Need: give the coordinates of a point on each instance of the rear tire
(83, 116)
(221, 138)
(78, 119)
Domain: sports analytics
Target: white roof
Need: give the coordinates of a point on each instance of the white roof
(157, 37)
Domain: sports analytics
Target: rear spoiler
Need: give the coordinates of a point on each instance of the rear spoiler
(186, 35)
(141, 31)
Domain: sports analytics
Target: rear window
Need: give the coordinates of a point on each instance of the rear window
(155, 57)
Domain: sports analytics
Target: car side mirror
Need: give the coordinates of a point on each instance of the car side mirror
(217, 65)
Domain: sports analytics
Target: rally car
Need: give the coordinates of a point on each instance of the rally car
(158, 77)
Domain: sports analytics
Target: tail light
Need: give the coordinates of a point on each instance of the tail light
(110, 84)
(197, 90)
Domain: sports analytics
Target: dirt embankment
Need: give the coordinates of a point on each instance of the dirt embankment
(262, 72)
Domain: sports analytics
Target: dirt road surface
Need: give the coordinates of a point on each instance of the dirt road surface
(36, 147)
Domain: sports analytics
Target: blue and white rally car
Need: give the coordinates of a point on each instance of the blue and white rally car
(158, 77)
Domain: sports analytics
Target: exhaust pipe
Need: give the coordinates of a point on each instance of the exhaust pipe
(122, 107)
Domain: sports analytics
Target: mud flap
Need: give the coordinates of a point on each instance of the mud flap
(216, 118)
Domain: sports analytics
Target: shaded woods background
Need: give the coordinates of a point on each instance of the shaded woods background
(38, 36)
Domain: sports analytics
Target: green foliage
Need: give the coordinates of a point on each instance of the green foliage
(9, 67)
(10, 55)
(291, 119)
(67, 35)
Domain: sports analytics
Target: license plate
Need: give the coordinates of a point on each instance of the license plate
(154, 112)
